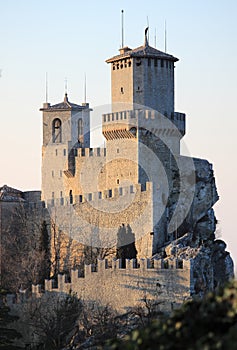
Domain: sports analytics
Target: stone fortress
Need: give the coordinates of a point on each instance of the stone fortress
(136, 191)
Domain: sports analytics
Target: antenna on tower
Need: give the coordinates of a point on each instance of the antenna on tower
(46, 87)
(85, 89)
(122, 27)
(155, 38)
(165, 38)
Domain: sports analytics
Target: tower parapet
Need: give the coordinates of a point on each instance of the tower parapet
(124, 123)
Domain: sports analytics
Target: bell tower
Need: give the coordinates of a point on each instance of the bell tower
(66, 127)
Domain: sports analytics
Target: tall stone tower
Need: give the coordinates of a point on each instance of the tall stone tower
(144, 130)
(143, 76)
(66, 127)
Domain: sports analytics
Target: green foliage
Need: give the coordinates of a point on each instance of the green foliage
(7, 334)
(206, 324)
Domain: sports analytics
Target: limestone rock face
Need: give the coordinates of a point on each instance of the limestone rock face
(212, 264)
(195, 238)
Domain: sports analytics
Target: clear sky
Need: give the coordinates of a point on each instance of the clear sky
(74, 37)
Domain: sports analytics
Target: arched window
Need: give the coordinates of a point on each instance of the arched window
(80, 130)
(57, 131)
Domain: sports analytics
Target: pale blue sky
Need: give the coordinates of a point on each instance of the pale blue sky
(73, 37)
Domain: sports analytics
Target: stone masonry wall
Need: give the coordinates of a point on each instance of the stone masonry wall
(123, 288)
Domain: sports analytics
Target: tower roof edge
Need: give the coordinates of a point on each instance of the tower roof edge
(145, 51)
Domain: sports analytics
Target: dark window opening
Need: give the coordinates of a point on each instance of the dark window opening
(100, 195)
(138, 62)
(149, 62)
(64, 152)
(155, 62)
(162, 63)
(80, 198)
(110, 193)
(122, 91)
(117, 181)
(70, 197)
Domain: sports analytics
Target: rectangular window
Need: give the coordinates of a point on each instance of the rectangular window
(62, 201)
(162, 63)
(104, 118)
(90, 197)
(83, 152)
(100, 195)
(80, 198)
(56, 152)
(64, 152)
(110, 193)
(52, 200)
(98, 152)
(120, 191)
(149, 62)
(91, 152)
(131, 189)
(155, 62)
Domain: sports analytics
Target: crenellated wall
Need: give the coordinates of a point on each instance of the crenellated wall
(170, 281)
(95, 218)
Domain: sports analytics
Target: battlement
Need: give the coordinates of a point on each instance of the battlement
(108, 194)
(90, 152)
(117, 268)
(143, 119)
(123, 284)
